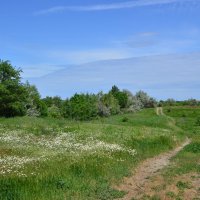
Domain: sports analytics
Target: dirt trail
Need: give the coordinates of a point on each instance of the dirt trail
(159, 111)
(134, 186)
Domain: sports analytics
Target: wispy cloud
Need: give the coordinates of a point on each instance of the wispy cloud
(85, 56)
(141, 40)
(111, 6)
(176, 73)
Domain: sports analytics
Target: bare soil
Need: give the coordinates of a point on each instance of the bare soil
(159, 111)
(140, 183)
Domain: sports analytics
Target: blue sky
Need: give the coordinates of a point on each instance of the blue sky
(43, 37)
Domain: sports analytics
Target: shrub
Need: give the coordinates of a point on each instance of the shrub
(193, 147)
(83, 107)
(125, 119)
(198, 121)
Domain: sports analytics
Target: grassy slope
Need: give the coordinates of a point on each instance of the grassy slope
(88, 171)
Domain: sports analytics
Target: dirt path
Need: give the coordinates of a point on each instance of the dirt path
(159, 111)
(134, 186)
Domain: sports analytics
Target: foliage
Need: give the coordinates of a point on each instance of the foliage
(198, 121)
(193, 147)
(35, 106)
(147, 102)
(121, 96)
(107, 104)
(12, 92)
(54, 112)
(82, 107)
(133, 103)
(50, 101)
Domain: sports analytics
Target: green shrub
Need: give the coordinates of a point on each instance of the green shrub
(125, 119)
(198, 121)
(193, 147)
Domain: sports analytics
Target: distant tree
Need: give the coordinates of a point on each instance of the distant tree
(54, 112)
(66, 109)
(107, 104)
(56, 101)
(133, 103)
(83, 106)
(147, 101)
(192, 102)
(35, 106)
(170, 102)
(121, 96)
(13, 94)
(114, 90)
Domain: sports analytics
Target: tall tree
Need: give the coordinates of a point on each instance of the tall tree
(121, 96)
(12, 92)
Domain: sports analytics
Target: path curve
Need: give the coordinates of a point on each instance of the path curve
(134, 185)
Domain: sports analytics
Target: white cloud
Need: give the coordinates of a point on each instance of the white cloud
(39, 70)
(111, 6)
(84, 56)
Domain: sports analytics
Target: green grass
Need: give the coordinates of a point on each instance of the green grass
(188, 160)
(99, 157)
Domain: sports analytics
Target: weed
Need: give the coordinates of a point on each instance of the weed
(171, 194)
(194, 147)
(125, 119)
(155, 197)
(182, 185)
(197, 121)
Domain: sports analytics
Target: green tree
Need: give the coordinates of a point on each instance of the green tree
(35, 106)
(121, 96)
(53, 101)
(83, 107)
(13, 94)
(107, 104)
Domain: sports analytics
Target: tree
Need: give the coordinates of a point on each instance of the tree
(107, 105)
(82, 107)
(12, 92)
(114, 90)
(53, 101)
(147, 101)
(121, 96)
(35, 106)
(192, 102)
(133, 103)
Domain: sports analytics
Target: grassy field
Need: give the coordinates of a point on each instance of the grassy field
(44, 159)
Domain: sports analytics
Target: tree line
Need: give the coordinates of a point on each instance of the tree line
(20, 99)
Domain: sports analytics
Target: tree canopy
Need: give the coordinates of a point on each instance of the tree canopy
(12, 92)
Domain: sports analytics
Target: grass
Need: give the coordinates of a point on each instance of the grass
(187, 160)
(43, 158)
(185, 168)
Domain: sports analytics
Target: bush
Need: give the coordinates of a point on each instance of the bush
(193, 147)
(54, 112)
(107, 105)
(82, 107)
(125, 119)
(198, 121)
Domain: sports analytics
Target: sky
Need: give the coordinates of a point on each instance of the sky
(90, 45)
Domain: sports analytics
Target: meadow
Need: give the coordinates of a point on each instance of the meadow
(45, 158)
